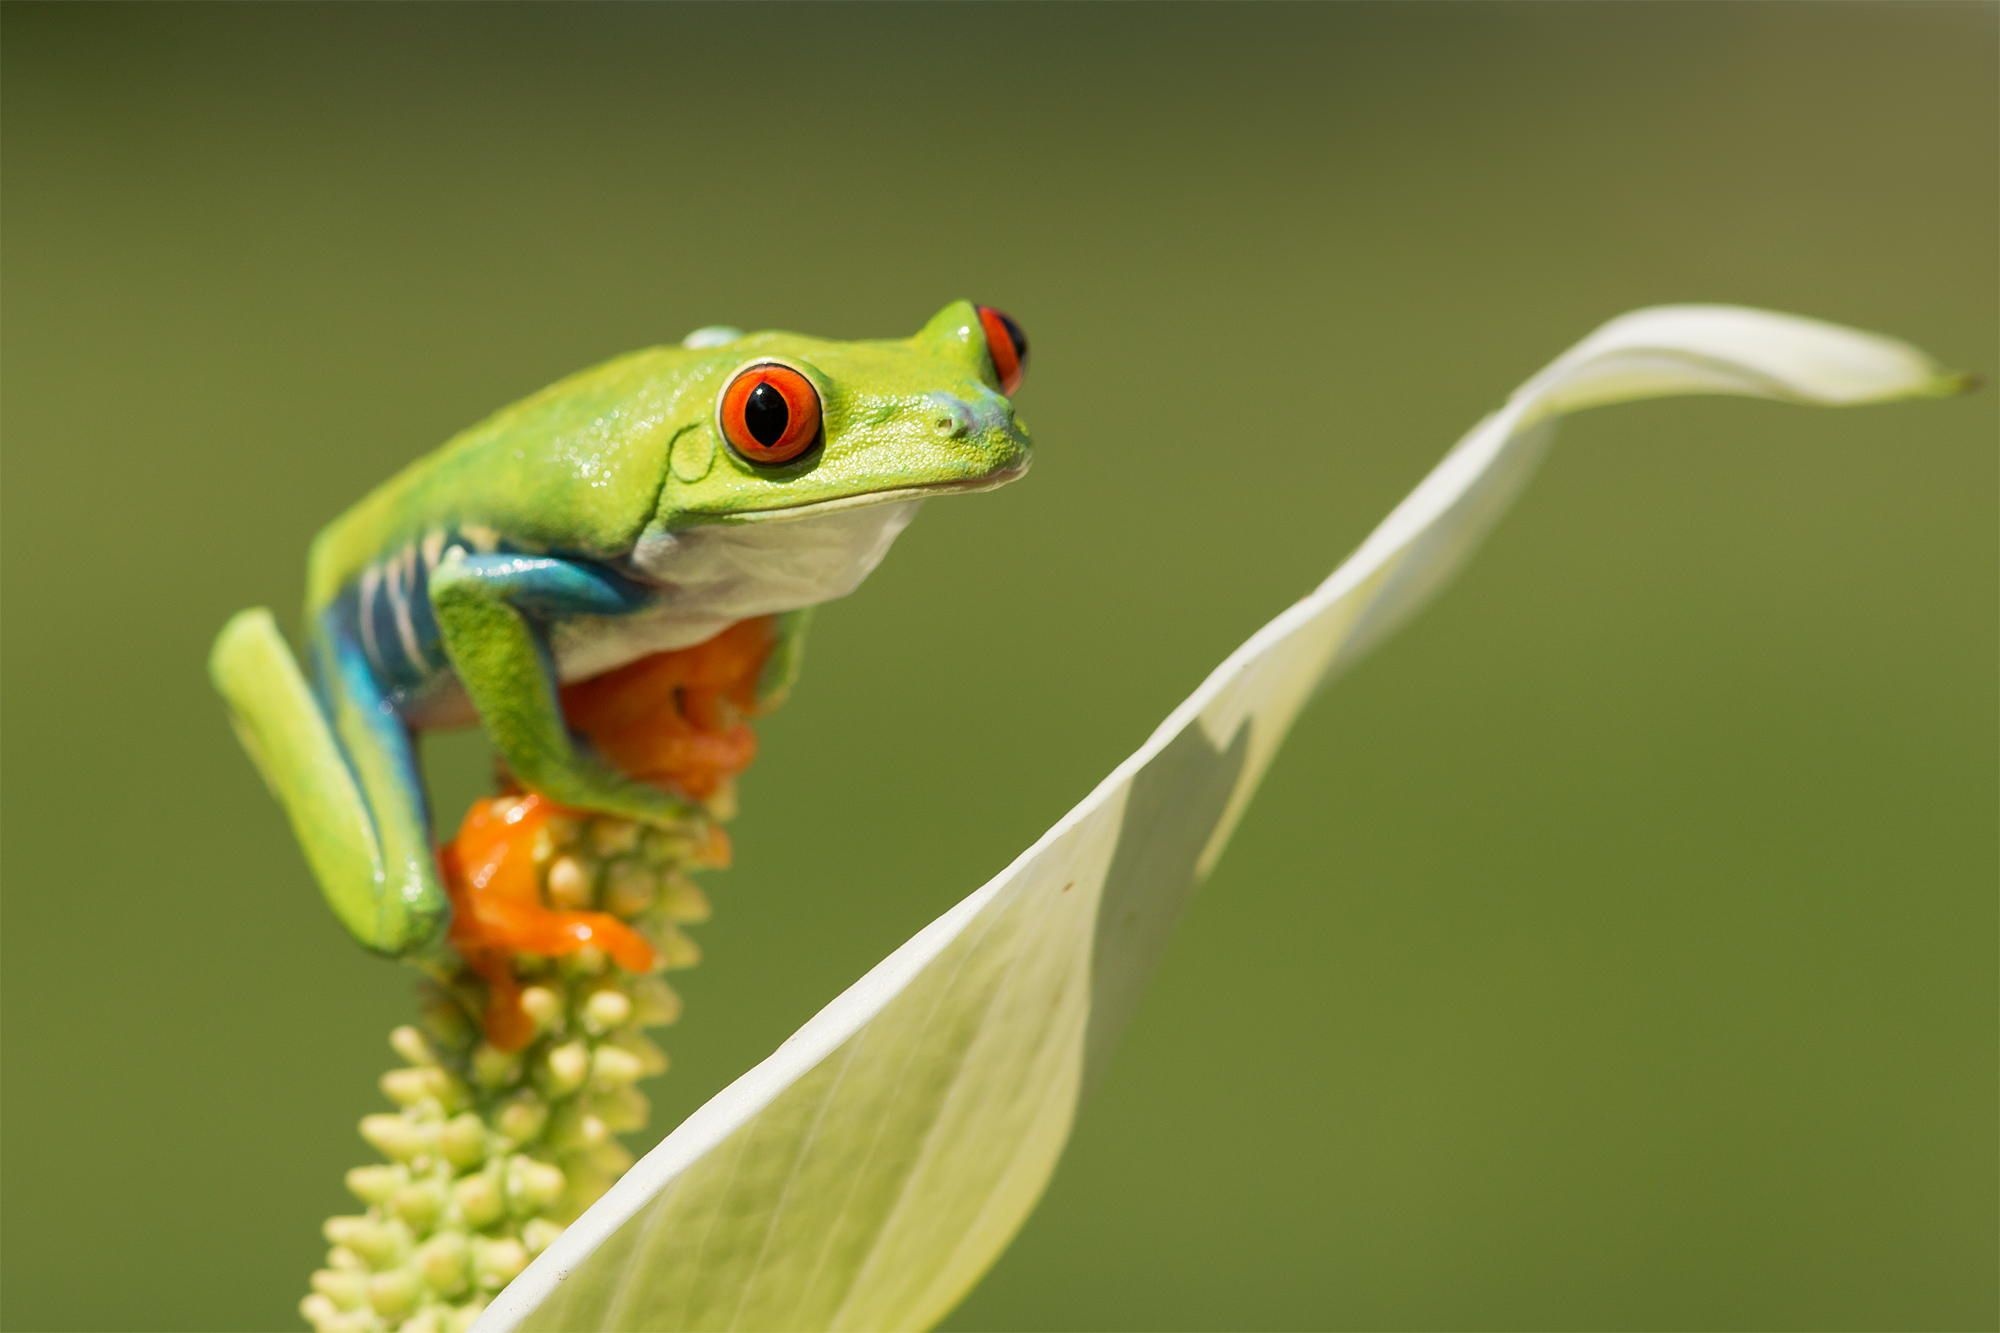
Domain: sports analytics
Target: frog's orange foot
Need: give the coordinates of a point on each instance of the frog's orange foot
(489, 943)
(493, 853)
(501, 926)
(674, 719)
(666, 751)
(491, 874)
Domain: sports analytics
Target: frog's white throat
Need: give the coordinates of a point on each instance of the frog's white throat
(715, 574)
(732, 571)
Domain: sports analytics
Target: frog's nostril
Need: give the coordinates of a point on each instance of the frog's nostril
(955, 417)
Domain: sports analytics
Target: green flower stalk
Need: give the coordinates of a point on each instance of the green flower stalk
(490, 1152)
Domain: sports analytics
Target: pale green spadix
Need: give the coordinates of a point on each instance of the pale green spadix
(872, 1168)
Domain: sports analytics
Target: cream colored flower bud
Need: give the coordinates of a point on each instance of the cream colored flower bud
(521, 1118)
(652, 1060)
(539, 1234)
(532, 1186)
(462, 1140)
(346, 1288)
(379, 1243)
(613, 837)
(569, 886)
(611, 1067)
(375, 1183)
(622, 1109)
(654, 1002)
(607, 1008)
(411, 1044)
(406, 1087)
(493, 1067)
(445, 1263)
(394, 1293)
(396, 1136)
(319, 1310)
(676, 949)
(683, 901)
(542, 1006)
(630, 888)
(496, 1262)
(564, 1068)
(479, 1200)
(574, 1129)
(419, 1204)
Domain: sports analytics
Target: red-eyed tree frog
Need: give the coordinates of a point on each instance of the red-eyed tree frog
(645, 505)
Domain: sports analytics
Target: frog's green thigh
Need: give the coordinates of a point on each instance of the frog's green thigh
(373, 863)
(492, 613)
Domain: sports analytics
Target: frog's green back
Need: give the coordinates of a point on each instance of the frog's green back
(577, 466)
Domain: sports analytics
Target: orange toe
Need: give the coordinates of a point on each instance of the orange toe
(497, 925)
(497, 910)
(675, 719)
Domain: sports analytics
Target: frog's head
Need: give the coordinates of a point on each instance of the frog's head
(797, 427)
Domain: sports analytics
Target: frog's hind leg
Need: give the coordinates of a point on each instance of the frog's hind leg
(344, 772)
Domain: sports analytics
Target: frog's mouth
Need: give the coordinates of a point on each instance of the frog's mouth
(813, 508)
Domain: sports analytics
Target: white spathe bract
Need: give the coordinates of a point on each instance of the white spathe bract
(871, 1169)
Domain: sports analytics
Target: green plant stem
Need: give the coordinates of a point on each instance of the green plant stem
(489, 1153)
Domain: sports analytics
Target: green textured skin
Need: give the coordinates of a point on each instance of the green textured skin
(594, 462)
(590, 467)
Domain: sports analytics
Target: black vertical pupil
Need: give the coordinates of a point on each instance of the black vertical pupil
(766, 415)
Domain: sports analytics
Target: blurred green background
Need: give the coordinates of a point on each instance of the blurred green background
(1615, 949)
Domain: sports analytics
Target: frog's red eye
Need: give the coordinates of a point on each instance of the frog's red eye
(1008, 347)
(770, 414)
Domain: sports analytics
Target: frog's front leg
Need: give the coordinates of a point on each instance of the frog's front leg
(493, 614)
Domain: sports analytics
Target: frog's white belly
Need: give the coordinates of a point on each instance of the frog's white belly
(712, 576)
